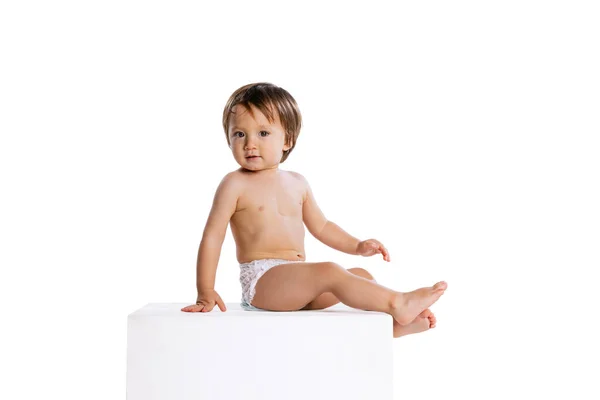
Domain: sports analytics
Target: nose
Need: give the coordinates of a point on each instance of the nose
(250, 143)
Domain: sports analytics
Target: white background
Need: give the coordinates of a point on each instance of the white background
(463, 135)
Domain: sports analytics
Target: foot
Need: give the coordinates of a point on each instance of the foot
(424, 321)
(407, 306)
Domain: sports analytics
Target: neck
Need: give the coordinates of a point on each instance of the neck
(266, 171)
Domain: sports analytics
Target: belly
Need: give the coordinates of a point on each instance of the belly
(267, 238)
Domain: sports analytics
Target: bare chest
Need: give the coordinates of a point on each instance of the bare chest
(271, 201)
(277, 197)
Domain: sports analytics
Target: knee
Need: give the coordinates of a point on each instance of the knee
(362, 273)
(330, 268)
(329, 272)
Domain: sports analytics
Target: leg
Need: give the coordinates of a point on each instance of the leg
(328, 299)
(290, 287)
(424, 321)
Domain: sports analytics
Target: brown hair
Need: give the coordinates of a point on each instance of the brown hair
(266, 97)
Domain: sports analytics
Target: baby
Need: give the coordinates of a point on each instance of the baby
(268, 208)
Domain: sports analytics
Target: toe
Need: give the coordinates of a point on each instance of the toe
(440, 286)
(426, 313)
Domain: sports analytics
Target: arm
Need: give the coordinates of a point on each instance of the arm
(325, 231)
(223, 207)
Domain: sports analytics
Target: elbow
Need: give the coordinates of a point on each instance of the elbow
(319, 232)
(213, 240)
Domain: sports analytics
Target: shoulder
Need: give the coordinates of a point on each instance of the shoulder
(232, 182)
(300, 180)
(302, 183)
(297, 176)
(236, 176)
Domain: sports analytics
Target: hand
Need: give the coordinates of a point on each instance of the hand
(207, 299)
(367, 248)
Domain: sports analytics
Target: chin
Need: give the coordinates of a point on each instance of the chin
(250, 167)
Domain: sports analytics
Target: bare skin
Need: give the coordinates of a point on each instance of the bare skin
(267, 222)
(423, 322)
(267, 209)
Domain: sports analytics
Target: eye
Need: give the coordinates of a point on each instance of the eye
(267, 133)
(236, 133)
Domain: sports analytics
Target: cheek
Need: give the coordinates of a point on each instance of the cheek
(235, 145)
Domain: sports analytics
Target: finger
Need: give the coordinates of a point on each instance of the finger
(188, 308)
(221, 304)
(386, 254)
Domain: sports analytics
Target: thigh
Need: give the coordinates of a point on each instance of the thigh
(289, 287)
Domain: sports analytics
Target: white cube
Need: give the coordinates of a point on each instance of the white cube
(335, 353)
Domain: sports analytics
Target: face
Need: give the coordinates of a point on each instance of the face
(251, 134)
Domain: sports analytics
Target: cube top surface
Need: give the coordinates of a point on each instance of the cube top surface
(235, 310)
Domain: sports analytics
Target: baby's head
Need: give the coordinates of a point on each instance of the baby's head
(262, 120)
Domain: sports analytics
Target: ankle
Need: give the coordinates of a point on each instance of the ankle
(397, 300)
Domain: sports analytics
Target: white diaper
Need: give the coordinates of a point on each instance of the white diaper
(251, 272)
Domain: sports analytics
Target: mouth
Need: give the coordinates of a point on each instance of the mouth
(252, 157)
